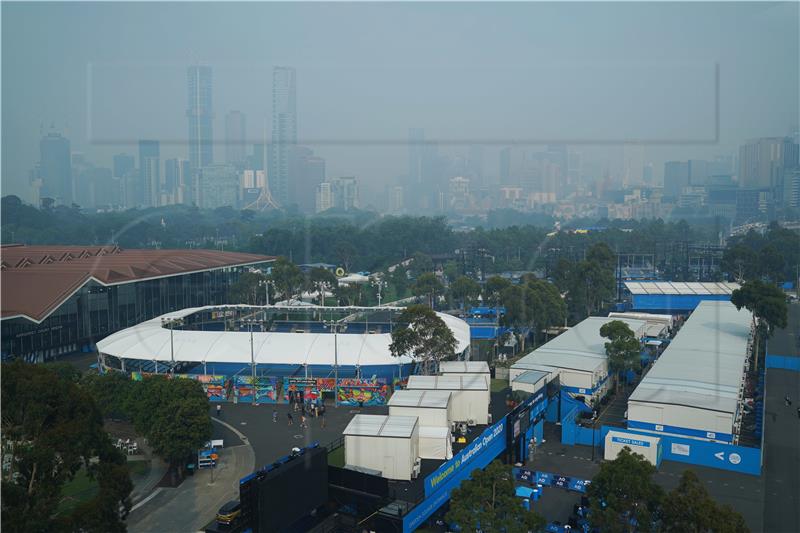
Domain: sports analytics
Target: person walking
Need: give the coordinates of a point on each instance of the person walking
(274, 415)
(289, 417)
(322, 416)
(219, 410)
(787, 401)
(303, 421)
(531, 450)
(798, 412)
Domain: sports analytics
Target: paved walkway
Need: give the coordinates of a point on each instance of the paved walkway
(781, 471)
(192, 505)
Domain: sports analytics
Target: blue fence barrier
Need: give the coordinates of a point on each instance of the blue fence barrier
(785, 362)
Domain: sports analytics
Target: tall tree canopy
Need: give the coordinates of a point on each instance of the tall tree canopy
(51, 429)
(464, 290)
(689, 508)
(487, 502)
(421, 333)
(428, 285)
(623, 347)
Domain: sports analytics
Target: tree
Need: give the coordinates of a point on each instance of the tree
(51, 429)
(428, 285)
(623, 349)
(464, 290)
(487, 502)
(623, 495)
(690, 509)
(287, 277)
(492, 289)
(247, 289)
(601, 255)
(768, 305)
(421, 264)
(423, 335)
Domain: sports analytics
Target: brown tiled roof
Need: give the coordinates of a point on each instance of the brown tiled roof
(37, 279)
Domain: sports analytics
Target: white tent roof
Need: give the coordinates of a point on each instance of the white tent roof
(151, 341)
(464, 367)
(704, 363)
(435, 399)
(433, 432)
(680, 287)
(381, 426)
(477, 382)
(579, 348)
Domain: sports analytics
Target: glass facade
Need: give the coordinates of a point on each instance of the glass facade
(95, 311)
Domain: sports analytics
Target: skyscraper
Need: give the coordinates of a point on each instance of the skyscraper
(55, 168)
(150, 173)
(200, 114)
(307, 172)
(235, 134)
(676, 177)
(123, 163)
(284, 132)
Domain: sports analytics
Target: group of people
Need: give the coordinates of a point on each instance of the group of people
(306, 410)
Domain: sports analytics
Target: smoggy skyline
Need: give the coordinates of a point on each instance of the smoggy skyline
(588, 74)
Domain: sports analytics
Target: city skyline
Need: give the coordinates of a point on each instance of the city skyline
(356, 115)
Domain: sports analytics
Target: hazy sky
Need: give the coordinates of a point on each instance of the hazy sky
(108, 74)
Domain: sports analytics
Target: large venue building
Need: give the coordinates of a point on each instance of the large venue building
(61, 299)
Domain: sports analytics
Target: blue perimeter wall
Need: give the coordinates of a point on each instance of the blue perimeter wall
(673, 302)
(785, 362)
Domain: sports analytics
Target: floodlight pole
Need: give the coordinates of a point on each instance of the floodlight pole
(252, 362)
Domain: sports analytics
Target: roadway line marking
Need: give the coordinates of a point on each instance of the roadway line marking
(150, 497)
(236, 431)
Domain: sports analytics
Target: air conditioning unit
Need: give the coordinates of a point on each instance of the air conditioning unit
(470, 422)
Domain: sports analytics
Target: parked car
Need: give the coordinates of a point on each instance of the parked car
(229, 513)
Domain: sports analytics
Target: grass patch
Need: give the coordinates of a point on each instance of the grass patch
(82, 488)
(499, 385)
(336, 457)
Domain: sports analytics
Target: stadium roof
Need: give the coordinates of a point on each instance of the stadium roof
(381, 426)
(579, 348)
(38, 279)
(680, 287)
(150, 341)
(704, 364)
(435, 399)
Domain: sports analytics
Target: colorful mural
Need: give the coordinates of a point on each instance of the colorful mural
(213, 385)
(363, 391)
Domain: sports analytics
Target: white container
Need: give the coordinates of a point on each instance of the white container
(470, 395)
(387, 444)
(435, 443)
(430, 406)
(466, 368)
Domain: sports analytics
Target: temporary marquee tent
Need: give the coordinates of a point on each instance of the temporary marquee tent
(387, 444)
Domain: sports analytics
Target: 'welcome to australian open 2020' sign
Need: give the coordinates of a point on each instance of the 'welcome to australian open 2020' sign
(477, 454)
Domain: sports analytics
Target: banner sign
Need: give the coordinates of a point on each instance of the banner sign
(492, 440)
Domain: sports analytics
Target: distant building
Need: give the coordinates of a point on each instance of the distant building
(762, 163)
(284, 132)
(307, 171)
(201, 116)
(178, 182)
(150, 173)
(345, 193)
(396, 194)
(55, 169)
(258, 156)
(324, 197)
(698, 172)
(218, 186)
(235, 135)
(753, 204)
(676, 177)
(791, 188)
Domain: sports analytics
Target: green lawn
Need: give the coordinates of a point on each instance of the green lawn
(336, 457)
(77, 491)
(499, 385)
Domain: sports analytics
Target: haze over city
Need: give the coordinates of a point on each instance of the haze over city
(469, 79)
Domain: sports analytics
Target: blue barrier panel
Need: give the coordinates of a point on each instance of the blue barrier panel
(703, 453)
(784, 362)
(439, 484)
(568, 427)
(585, 436)
(663, 428)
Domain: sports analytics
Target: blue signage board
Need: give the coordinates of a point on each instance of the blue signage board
(631, 442)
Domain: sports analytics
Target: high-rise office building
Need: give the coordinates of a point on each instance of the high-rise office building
(235, 135)
(698, 172)
(345, 193)
(791, 188)
(324, 197)
(676, 177)
(762, 163)
(396, 195)
(284, 133)
(632, 165)
(150, 173)
(178, 182)
(201, 116)
(55, 168)
(256, 160)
